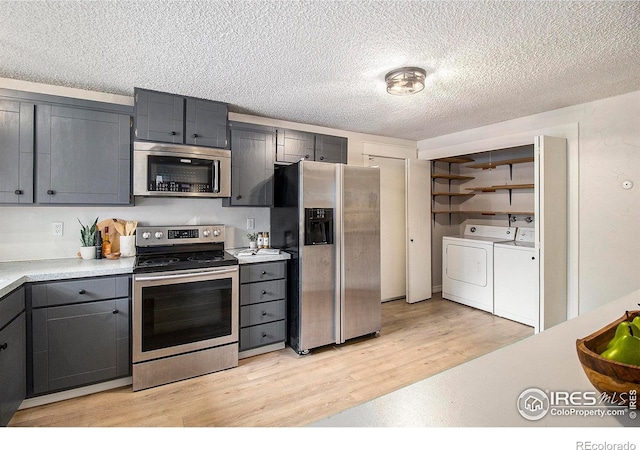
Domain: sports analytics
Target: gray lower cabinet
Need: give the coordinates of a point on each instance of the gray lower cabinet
(252, 159)
(16, 151)
(80, 332)
(13, 372)
(263, 307)
(293, 146)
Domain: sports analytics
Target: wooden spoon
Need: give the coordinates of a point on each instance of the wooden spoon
(119, 227)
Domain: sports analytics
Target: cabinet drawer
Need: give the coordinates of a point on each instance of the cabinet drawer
(262, 313)
(262, 292)
(10, 306)
(78, 291)
(260, 335)
(251, 273)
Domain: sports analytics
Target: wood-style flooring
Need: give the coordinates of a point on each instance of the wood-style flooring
(283, 389)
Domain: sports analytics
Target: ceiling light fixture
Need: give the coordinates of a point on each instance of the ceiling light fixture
(405, 81)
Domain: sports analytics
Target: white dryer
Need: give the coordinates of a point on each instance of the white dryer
(467, 265)
(516, 269)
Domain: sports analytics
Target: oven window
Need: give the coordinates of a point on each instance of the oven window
(175, 174)
(183, 313)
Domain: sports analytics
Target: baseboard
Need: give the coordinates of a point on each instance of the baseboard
(73, 393)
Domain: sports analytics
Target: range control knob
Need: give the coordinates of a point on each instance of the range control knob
(206, 233)
(158, 234)
(216, 232)
(146, 235)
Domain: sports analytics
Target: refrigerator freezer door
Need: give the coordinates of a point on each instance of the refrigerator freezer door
(359, 223)
(318, 285)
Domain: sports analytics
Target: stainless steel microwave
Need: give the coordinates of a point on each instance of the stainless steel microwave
(169, 170)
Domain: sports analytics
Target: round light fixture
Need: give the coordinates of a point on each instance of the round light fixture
(405, 81)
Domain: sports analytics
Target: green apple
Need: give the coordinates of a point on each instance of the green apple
(625, 328)
(636, 321)
(625, 350)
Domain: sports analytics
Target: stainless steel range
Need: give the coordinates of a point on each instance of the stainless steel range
(185, 304)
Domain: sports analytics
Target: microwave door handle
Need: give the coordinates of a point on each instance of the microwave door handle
(185, 275)
(216, 176)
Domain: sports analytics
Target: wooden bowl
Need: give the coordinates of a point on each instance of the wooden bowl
(608, 376)
(112, 255)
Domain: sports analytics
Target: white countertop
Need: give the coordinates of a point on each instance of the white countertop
(249, 259)
(15, 273)
(484, 392)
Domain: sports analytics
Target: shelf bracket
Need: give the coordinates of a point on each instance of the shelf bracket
(510, 173)
(510, 192)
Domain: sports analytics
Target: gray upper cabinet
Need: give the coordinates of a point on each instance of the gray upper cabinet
(206, 123)
(159, 117)
(332, 149)
(293, 146)
(16, 151)
(83, 156)
(171, 118)
(60, 150)
(252, 159)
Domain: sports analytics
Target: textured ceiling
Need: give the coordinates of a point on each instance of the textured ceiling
(323, 62)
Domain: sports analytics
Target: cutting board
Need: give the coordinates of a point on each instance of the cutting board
(114, 236)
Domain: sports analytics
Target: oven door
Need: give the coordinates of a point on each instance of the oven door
(180, 171)
(176, 312)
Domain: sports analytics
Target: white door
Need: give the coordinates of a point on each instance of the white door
(418, 201)
(392, 226)
(550, 168)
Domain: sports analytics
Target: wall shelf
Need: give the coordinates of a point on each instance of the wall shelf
(505, 162)
(505, 187)
(493, 165)
(452, 194)
(445, 176)
(509, 214)
(455, 160)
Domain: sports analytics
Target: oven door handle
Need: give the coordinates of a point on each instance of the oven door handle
(185, 275)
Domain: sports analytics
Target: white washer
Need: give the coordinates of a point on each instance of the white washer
(467, 265)
(515, 272)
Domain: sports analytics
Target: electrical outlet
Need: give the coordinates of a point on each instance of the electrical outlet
(251, 224)
(57, 228)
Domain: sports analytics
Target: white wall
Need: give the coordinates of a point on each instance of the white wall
(27, 229)
(604, 150)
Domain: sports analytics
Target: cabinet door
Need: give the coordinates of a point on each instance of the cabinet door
(206, 123)
(159, 116)
(293, 146)
(251, 165)
(16, 152)
(331, 149)
(84, 156)
(80, 344)
(13, 372)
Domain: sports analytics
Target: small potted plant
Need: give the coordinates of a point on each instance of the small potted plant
(88, 240)
(253, 237)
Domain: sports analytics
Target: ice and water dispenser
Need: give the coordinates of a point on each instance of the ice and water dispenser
(318, 226)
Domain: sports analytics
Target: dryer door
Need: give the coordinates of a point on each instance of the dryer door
(466, 264)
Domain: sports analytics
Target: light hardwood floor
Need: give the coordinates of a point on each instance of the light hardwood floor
(283, 389)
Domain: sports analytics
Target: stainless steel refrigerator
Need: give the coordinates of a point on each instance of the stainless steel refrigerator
(328, 217)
